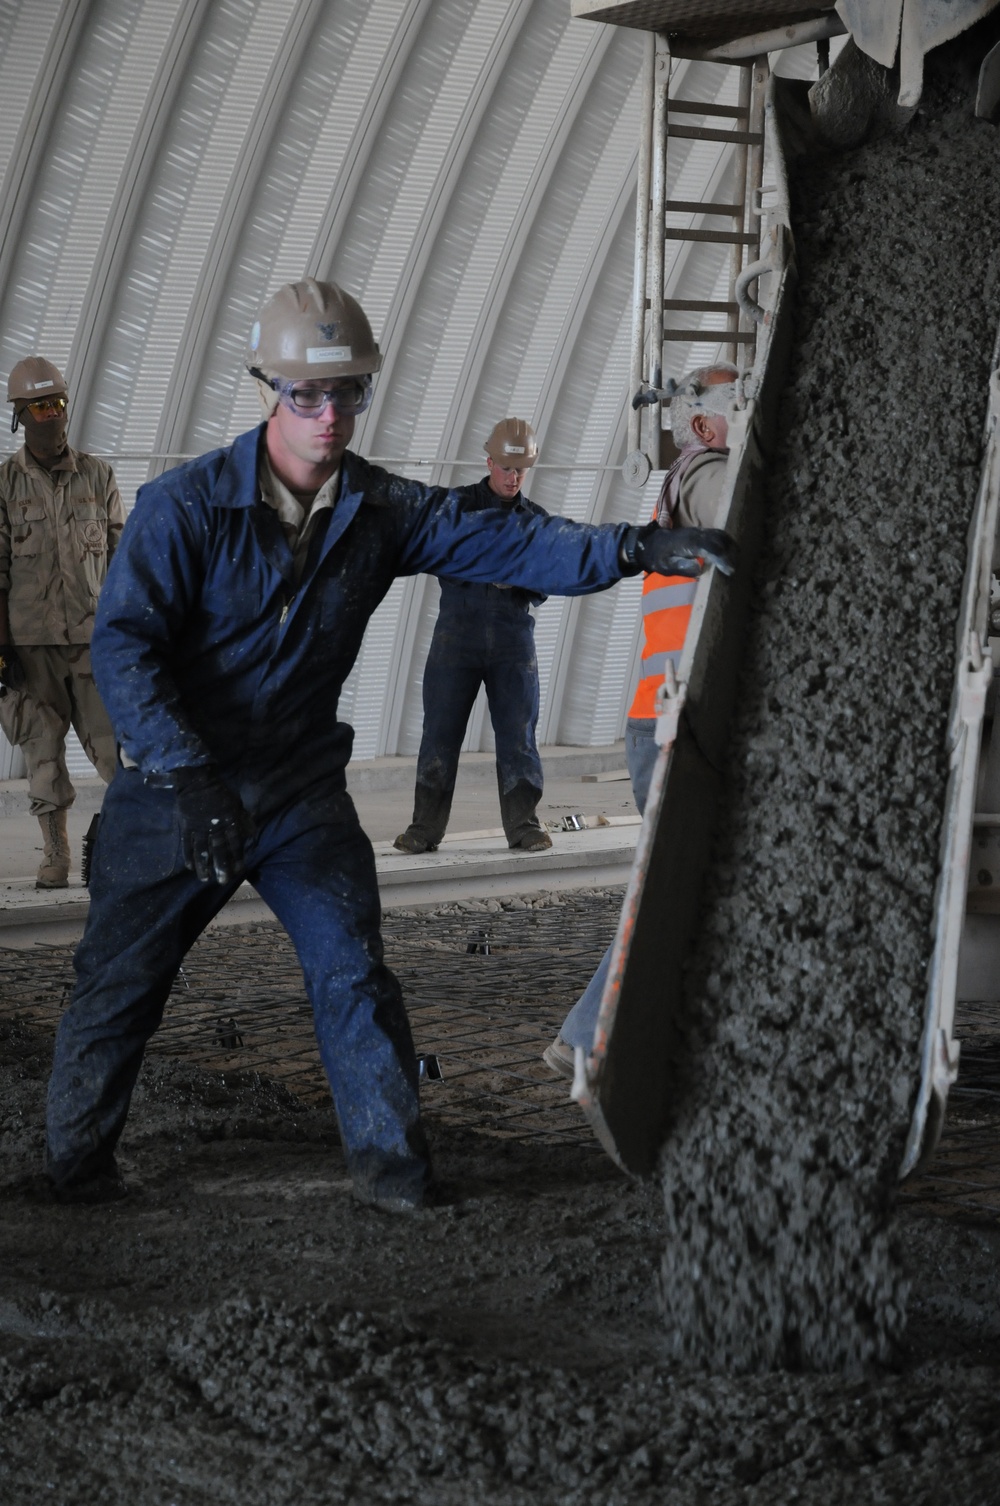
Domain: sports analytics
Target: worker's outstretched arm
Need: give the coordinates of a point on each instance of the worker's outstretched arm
(677, 551)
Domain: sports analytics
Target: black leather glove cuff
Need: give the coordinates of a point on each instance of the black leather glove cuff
(635, 553)
(678, 551)
(189, 781)
(629, 550)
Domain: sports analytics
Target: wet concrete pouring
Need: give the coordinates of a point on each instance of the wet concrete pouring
(241, 1331)
(806, 993)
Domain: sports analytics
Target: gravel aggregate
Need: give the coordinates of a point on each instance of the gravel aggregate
(805, 998)
(239, 1330)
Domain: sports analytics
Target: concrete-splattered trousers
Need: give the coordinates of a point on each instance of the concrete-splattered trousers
(60, 693)
(314, 866)
(485, 635)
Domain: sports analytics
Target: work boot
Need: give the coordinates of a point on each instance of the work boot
(431, 809)
(411, 840)
(525, 832)
(392, 1203)
(107, 1186)
(560, 1058)
(435, 1195)
(53, 872)
(535, 839)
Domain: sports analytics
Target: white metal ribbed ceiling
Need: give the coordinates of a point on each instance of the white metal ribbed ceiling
(465, 167)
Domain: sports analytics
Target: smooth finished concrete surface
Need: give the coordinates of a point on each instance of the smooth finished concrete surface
(472, 862)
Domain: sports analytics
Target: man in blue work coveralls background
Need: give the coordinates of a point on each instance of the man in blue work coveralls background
(233, 612)
(484, 635)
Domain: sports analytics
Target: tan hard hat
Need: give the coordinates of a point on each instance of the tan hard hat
(512, 445)
(312, 329)
(35, 377)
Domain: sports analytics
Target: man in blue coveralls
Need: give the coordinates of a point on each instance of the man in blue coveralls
(484, 635)
(232, 614)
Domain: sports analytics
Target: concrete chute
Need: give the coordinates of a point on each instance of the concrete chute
(796, 1228)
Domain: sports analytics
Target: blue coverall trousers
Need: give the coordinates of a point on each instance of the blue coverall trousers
(484, 635)
(314, 866)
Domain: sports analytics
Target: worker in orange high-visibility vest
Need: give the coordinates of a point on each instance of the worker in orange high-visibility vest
(688, 498)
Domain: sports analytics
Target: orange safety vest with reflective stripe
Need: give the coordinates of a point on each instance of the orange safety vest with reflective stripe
(666, 603)
(666, 611)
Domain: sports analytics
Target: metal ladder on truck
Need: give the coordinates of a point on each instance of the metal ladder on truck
(673, 123)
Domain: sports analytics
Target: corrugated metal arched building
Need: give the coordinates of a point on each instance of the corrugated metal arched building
(465, 167)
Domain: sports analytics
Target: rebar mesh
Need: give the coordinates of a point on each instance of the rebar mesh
(486, 990)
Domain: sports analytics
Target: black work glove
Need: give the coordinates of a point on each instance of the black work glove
(215, 826)
(676, 551)
(11, 669)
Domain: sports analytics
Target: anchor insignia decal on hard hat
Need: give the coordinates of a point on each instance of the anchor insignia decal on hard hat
(328, 331)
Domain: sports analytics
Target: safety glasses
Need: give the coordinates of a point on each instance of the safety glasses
(350, 396)
(43, 407)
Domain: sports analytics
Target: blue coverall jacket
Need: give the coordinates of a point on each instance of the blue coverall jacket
(205, 652)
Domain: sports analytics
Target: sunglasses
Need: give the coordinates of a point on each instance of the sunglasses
(41, 407)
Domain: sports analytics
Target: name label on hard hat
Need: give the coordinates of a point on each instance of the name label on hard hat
(315, 353)
(36, 385)
(513, 449)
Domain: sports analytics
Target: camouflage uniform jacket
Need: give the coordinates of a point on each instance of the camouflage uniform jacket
(58, 530)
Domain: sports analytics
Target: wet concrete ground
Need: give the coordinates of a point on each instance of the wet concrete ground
(239, 1330)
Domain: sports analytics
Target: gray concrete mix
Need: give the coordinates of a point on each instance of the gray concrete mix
(806, 993)
(239, 1330)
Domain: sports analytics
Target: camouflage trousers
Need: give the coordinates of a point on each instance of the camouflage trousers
(59, 693)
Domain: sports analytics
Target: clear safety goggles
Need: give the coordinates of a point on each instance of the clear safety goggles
(350, 396)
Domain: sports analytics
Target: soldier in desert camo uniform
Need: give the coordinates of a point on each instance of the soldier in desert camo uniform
(60, 518)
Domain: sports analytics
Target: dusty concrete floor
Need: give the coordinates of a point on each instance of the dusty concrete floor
(240, 1330)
